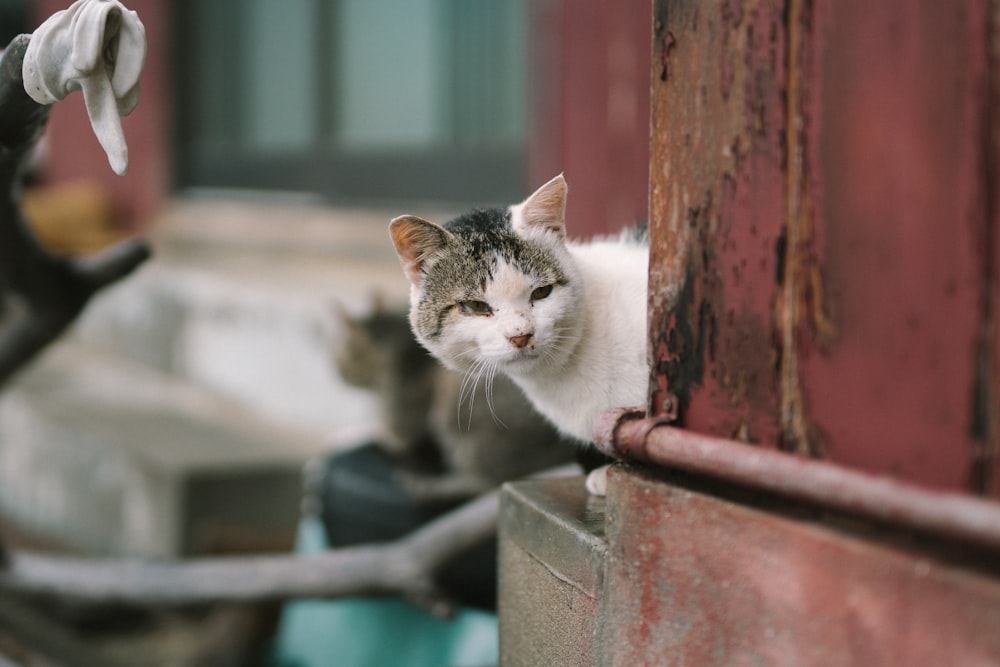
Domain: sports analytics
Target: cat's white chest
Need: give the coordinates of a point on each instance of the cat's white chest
(608, 369)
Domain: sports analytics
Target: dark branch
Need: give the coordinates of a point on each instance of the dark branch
(40, 294)
(21, 118)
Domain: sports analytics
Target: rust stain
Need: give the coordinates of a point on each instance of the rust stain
(714, 141)
(667, 43)
(742, 371)
(663, 39)
(799, 300)
(742, 431)
(731, 15)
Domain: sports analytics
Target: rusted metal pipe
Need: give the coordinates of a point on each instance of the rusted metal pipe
(629, 435)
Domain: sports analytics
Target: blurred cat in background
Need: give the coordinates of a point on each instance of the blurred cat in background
(454, 435)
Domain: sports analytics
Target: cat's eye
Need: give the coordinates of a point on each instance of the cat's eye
(475, 308)
(541, 292)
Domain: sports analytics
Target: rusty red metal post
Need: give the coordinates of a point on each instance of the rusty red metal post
(823, 216)
(823, 342)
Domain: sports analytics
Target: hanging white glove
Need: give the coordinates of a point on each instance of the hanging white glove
(98, 46)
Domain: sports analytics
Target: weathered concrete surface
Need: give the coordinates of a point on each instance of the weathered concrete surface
(551, 572)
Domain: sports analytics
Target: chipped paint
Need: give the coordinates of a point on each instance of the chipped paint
(799, 187)
(710, 153)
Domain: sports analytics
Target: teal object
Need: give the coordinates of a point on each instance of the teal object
(383, 632)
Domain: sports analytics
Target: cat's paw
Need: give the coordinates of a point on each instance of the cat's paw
(597, 481)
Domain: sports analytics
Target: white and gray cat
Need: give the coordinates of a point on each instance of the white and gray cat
(504, 290)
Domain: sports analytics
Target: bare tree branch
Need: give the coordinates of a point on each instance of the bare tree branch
(405, 566)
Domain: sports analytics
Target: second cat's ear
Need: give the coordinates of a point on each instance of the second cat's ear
(544, 210)
(417, 243)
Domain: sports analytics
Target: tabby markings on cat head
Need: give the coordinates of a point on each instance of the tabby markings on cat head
(493, 285)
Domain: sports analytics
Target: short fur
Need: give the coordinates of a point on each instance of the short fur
(504, 290)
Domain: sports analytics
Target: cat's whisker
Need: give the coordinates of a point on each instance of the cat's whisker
(551, 351)
(465, 382)
(554, 343)
(468, 390)
(485, 370)
(494, 367)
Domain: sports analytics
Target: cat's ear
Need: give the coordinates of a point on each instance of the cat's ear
(417, 243)
(343, 317)
(544, 210)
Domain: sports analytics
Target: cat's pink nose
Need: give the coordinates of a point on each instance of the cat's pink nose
(520, 341)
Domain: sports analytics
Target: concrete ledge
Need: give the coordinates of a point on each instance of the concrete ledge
(552, 553)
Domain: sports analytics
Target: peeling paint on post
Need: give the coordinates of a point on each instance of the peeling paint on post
(822, 209)
(716, 212)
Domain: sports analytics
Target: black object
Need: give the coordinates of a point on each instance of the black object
(590, 458)
(13, 19)
(361, 501)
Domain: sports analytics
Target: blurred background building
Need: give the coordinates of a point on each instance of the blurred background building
(272, 143)
(367, 103)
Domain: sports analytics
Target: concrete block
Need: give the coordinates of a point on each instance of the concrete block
(551, 571)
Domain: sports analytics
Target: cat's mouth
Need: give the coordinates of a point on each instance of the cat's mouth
(513, 357)
(522, 357)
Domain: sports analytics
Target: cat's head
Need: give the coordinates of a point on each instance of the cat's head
(494, 286)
